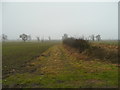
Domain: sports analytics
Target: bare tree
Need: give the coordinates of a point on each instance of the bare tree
(38, 39)
(42, 39)
(4, 37)
(49, 38)
(92, 37)
(65, 36)
(98, 38)
(24, 37)
(89, 37)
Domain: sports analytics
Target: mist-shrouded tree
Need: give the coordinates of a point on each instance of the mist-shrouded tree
(42, 39)
(24, 37)
(49, 38)
(4, 37)
(38, 39)
(65, 36)
(92, 37)
(98, 38)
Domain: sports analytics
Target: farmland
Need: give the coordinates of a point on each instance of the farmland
(56, 65)
(16, 54)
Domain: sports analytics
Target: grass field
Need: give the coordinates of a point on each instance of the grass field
(17, 54)
(54, 65)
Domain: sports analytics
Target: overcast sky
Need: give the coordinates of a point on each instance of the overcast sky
(55, 19)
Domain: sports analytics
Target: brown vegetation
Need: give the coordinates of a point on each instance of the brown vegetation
(103, 52)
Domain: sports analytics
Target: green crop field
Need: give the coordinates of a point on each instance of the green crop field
(55, 65)
(16, 54)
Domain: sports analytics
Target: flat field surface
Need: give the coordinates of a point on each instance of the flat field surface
(54, 65)
(16, 54)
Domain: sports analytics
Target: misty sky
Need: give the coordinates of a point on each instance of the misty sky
(55, 19)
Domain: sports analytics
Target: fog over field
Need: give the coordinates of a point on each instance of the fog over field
(55, 19)
(66, 50)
